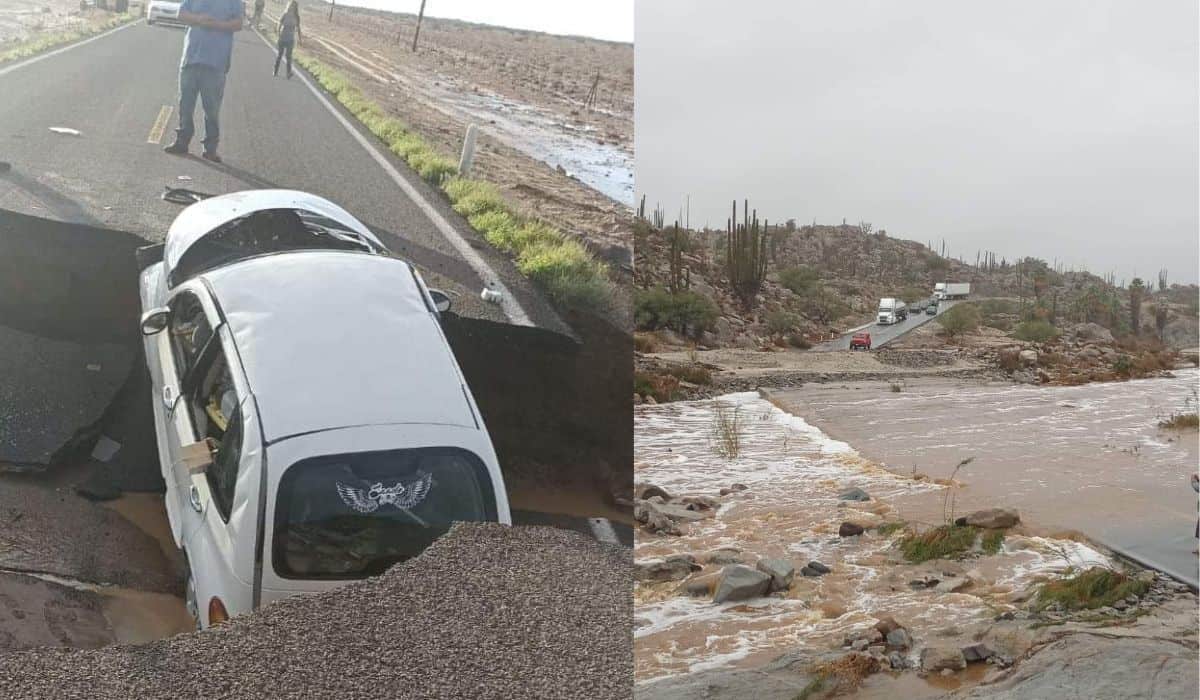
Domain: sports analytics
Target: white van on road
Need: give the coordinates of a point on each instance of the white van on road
(313, 425)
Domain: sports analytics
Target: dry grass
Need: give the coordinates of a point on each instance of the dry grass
(726, 431)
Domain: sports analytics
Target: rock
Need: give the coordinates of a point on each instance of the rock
(677, 512)
(654, 521)
(993, 518)
(673, 568)
(935, 659)
(781, 572)
(734, 488)
(739, 582)
(650, 401)
(897, 661)
(876, 650)
(699, 503)
(947, 672)
(887, 625)
(1028, 357)
(645, 492)
(953, 585)
(921, 583)
(854, 494)
(899, 638)
(859, 645)
(1120, 605)
(817, 568)
(724, 556)
(977, 652)
(1094, 332)
(850, 530)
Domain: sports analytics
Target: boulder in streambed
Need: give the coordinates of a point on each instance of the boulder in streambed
(991, 518)
(977, 652)
(814, 568)
(781, 572)
(935, 659)
(850, 530)
(673, 568)
(701, 586)
(854, 494)
(739, 582)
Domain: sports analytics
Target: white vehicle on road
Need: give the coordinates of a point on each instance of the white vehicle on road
(163, 11)
(951, 290)
(891, 311)
(313, 425)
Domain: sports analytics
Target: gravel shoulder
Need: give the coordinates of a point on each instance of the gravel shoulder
(488, 611)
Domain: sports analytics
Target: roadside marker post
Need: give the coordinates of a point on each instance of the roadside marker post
(468, 152)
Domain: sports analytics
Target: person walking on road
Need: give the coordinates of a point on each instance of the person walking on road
(207, 50)
(258, 10)
(289, 36)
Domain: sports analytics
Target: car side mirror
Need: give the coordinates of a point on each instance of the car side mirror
(441, 300)
(155, 320)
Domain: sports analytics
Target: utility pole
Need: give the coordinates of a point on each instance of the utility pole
(332, 4)
(417, 33)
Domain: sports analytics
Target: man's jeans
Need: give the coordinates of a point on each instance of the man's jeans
(208, 83)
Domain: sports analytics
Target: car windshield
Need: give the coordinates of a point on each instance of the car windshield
(355, 515)
(263, 232)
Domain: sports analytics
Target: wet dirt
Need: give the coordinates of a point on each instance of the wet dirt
(1089, 458)
(21, 20)
(794, 473)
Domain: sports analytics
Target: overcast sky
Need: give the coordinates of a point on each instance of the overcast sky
(603, 19)
(1060, 129)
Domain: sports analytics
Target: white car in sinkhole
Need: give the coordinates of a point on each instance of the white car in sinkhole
(313, 425)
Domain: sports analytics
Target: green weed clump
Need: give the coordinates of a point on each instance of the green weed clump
(991, 542)
(943, 542)
(1096, 587)
(1180, 421)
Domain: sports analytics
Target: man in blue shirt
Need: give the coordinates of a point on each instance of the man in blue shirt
(207, 50)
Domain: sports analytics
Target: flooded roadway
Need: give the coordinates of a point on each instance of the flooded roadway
(794, 473)
(1088, 458)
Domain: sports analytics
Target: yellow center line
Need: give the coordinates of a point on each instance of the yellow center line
(160, 124)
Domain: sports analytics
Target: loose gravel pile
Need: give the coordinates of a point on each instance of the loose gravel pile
(488, 611)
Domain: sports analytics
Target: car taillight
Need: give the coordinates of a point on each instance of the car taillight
(216, 612)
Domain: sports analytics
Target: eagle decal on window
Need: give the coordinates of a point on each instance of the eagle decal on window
(402, 495)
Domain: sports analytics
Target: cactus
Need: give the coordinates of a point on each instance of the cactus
(681, 276)
(745, 254)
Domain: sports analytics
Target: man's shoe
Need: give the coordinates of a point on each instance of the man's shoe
(177, 149)
(211, 156)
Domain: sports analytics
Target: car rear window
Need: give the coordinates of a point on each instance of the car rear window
(355, 515)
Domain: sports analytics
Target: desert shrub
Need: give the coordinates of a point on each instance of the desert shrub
(1096, 587)
(799, 279)
(992, 541)
(1010, 360)
(471, 197)
(1036, 331)
(781, 322)
(726, 430)
(645, 342)
(684, 311)
(1180, 421)
(663, 387)
(797, 340)
(693, 374)
(568, 274)
(959, 319)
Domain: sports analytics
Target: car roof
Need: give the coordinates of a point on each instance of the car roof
(335, 339)
(207, 215)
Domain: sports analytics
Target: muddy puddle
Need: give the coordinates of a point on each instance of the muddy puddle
(790, 509)
(1089, 458)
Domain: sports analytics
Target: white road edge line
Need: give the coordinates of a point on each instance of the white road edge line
(603, 530)
(508, 304)
(43, 56)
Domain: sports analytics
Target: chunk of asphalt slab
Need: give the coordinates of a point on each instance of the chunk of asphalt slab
(50, 390)
(488, 611)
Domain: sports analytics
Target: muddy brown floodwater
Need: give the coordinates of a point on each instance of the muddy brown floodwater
(1087, 458)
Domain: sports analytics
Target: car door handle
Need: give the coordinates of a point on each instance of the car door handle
(194, 498)
(169, 398)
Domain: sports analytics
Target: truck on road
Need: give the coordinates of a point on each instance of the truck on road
(951, 290)
(891, 311)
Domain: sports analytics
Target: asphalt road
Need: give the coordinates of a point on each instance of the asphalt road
(882, 335)
(120, 91)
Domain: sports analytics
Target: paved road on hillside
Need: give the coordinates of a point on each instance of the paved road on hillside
(882, 335)
(120, 89)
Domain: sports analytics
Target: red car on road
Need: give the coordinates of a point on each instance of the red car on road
(862, 339)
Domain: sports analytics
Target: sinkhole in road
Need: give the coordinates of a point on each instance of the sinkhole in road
(72, 373)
